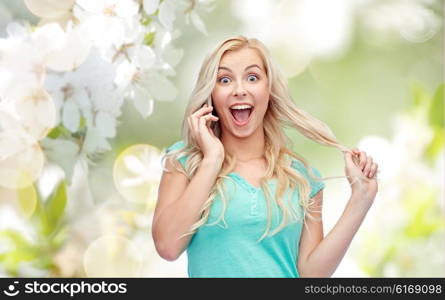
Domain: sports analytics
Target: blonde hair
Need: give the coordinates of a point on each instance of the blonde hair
(282, 111)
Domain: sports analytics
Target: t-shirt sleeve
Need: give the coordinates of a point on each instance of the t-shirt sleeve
(176, 146)
(316, 186)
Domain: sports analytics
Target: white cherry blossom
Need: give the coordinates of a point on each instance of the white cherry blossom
(144, 86)
(74, 51)
(63, 83)
(191, 13)
(21, 159)
(22, 65)
(107, 20)
(89, 92)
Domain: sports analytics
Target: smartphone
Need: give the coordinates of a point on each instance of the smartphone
(210, 103)
(214, 113)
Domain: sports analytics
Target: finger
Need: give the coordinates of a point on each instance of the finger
(194, 127)
(212, 119)
(194, 122)
(368, 166)
(202, 111)
(373, 170)
(363, 159)
(209, 118)
(203, 129)
(355, 159)
(348, 159)
(351, 164)
(355, 155)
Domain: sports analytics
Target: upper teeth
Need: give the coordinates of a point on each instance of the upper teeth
(242, 106)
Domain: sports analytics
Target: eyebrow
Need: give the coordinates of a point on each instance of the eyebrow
(248, 67)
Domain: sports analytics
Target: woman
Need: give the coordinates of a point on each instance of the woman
(234, 195)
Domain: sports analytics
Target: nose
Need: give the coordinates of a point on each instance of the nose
(239, 90)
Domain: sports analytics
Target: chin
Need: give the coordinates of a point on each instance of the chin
(242, 133)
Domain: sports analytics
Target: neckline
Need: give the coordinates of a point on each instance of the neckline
(247, 184)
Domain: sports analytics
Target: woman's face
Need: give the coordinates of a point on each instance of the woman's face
(241, 93)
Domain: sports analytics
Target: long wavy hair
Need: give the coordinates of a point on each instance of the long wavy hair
(281, 112)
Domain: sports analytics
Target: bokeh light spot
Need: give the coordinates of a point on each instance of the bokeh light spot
(136, 173)
(112, 256)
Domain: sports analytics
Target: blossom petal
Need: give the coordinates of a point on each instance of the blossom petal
(199, 24)
(142, 102)
(126, 9)
(71, 116)
(81, 98)
(95, 6)
(167, 14)
(95, 142)
(62, 152)
(49, 8)
(160, 87)
(143, 56)
(37, 113)
(150, 6)
(105, 124)
(74, 53)
(49, 37)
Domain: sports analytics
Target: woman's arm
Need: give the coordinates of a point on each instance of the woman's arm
(180, 203)
(318, 256)
(179, 207)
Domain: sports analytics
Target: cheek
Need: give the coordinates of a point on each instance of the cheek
(261, 109)
(264, 91)
(262, 97)
(221, 94)
(218, 100)
(261, 90)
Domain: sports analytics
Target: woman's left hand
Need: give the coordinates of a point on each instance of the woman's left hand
(362, 167)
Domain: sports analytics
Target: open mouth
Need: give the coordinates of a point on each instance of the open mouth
(241, 114)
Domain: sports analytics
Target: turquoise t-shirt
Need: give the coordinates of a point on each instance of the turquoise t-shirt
(229, 248)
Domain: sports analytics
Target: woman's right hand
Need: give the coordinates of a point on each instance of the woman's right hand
(199, 123)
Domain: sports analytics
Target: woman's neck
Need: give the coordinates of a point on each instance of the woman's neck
(245, 149)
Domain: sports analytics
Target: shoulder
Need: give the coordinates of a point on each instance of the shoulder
(315, 184)
(299, 166)
(176, 146)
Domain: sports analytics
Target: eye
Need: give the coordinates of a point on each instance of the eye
(224, 80)
(252, 78)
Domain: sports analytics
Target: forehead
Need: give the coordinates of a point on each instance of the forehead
(241, 58)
